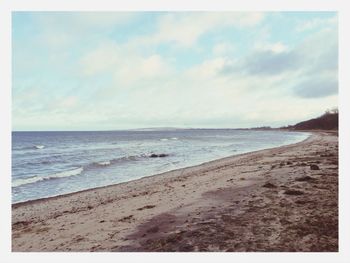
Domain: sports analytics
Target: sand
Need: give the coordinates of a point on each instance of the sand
(281, 199)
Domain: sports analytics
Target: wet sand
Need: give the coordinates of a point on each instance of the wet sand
(281, 199)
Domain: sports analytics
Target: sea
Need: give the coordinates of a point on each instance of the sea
(46, 164)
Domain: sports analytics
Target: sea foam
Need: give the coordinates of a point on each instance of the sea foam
(35, 179)
(104, 163)
(39, 147)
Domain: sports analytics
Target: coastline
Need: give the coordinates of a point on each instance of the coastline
(27, 202)
(149, 213)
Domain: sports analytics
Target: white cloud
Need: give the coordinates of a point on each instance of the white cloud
(202, 95)
(68, 102)
(223, 49)
(125, 64)
(104, 58)
(207, 69)
(316, 23)
(260, 86)
(101, 19)
(309, 70)
(62, 29)
(277, 47)
(184, 29)
(134, 69)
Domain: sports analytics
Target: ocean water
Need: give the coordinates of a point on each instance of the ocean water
(47, 164)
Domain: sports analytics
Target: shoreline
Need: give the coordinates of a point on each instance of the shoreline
(43, 199)
(243, 198)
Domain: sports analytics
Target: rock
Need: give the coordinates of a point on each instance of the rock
(126, 218)
(146, 207)
(304, 178)
(153, 155)
(293, 192)
(314, 167)
(269, 185)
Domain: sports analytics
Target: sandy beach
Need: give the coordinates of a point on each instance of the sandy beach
(280, 199)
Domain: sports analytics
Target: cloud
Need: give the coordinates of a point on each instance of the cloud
(276, 48)
(271, 71)
(269, 62)
(124, 64)
(189, 69)
(320, 51)
(62, 29)
(223, 49)
(103, 58)
(317, 87)
(68, 102)
(207, 69)
(184, 29)
(308, 70)
(316, 23)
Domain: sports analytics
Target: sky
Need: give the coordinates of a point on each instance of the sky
(120, 70)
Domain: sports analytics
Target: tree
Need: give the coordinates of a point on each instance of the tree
(331, 111)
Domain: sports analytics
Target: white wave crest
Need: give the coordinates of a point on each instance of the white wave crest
(165, 139)
(35, 179)
(30, 180)
(104, 163)
(39, 146)
(67, 173)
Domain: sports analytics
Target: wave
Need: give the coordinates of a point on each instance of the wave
(35, 179)
(101, 164)
(124, 159)
(106, 163)
(33, 147)
(39, 147)
(77, 171)
(167, 139)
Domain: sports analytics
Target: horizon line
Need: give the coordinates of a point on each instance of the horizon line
(150, 129)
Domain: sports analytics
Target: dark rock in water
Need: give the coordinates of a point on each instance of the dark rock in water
(269, 185)
(289, 163)
(314, 167)
(304, 178)
(153, 155)
(293, 192)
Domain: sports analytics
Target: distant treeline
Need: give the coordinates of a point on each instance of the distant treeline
(328, 121)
